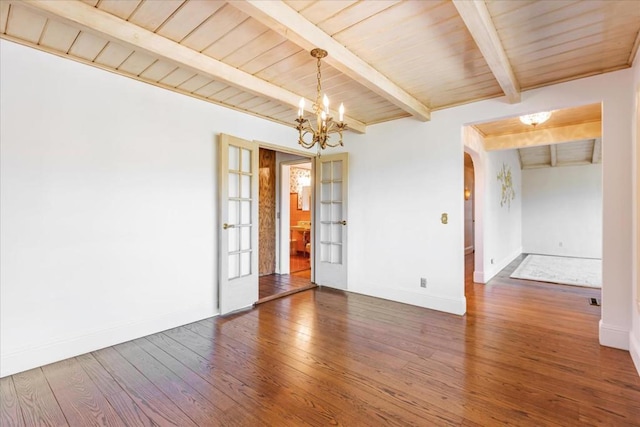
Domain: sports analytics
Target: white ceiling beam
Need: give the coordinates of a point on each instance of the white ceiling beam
(95, 21)
(478, 21)
(553, 149)
(545, 136)
(596, 155)
(287, 22)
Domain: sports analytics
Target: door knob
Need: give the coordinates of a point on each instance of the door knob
(225, 226)
(343, 222)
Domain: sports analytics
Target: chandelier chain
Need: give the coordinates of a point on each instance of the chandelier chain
(318, 89)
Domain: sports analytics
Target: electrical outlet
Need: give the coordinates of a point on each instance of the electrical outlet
(423, 282)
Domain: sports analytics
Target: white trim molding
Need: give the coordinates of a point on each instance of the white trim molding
(613, 336)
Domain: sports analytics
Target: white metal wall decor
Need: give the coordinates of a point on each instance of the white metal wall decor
(508, 193)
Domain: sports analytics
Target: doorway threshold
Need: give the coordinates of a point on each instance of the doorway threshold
(285, 294)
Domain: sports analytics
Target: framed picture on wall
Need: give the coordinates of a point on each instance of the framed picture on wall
(299, 200)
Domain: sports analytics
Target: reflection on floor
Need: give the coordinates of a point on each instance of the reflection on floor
(284, 284)
(303, 273)
(299, 263)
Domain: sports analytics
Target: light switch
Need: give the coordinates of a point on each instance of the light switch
(444, 218)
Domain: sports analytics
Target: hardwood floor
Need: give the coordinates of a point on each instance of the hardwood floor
(526, 353)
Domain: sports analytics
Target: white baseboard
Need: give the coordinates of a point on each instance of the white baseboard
(497, 267)
(634, 349)
(420, 299)
(612, 336)
(478, 277)
(40, 355)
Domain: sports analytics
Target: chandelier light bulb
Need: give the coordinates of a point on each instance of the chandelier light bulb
(301, 109)
(341, 112)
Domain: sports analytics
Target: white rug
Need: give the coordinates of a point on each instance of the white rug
(563, 270)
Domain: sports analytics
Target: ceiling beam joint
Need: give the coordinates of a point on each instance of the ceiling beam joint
(476, 17)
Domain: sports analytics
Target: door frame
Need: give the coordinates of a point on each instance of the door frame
(282, 236)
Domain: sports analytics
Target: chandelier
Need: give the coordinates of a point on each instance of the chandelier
(536, 118)
(324, 125)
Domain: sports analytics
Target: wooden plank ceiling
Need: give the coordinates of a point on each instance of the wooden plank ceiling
(387, 59)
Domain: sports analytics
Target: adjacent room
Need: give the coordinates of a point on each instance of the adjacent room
(314, 212)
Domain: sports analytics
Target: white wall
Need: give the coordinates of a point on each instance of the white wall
(107, 204)
(403, 175)
(562, 211)
(502, 223)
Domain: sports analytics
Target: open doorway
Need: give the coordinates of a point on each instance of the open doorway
(469, 221)
(285, 247)
(300, 220)
(556, 166)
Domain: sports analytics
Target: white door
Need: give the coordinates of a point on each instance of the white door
(331, 221)
(238, 193)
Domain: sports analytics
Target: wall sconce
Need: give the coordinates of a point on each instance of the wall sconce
(467, 193)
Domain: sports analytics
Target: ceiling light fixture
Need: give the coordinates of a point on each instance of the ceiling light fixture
(324, 122)
(536, 118)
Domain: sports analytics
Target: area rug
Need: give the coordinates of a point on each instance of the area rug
(563, 270)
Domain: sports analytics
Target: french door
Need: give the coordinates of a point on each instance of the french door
(238, 227)
(331, 221)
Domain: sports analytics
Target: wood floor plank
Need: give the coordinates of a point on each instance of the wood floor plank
(126, 408)
(253, 402)
(218, 378)
(148, 397)
(10, 413)
(386, 383)
(349, 393)
(38, 404)
(218, 398)
(199, 408)
(80, 400)
(259, 384)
